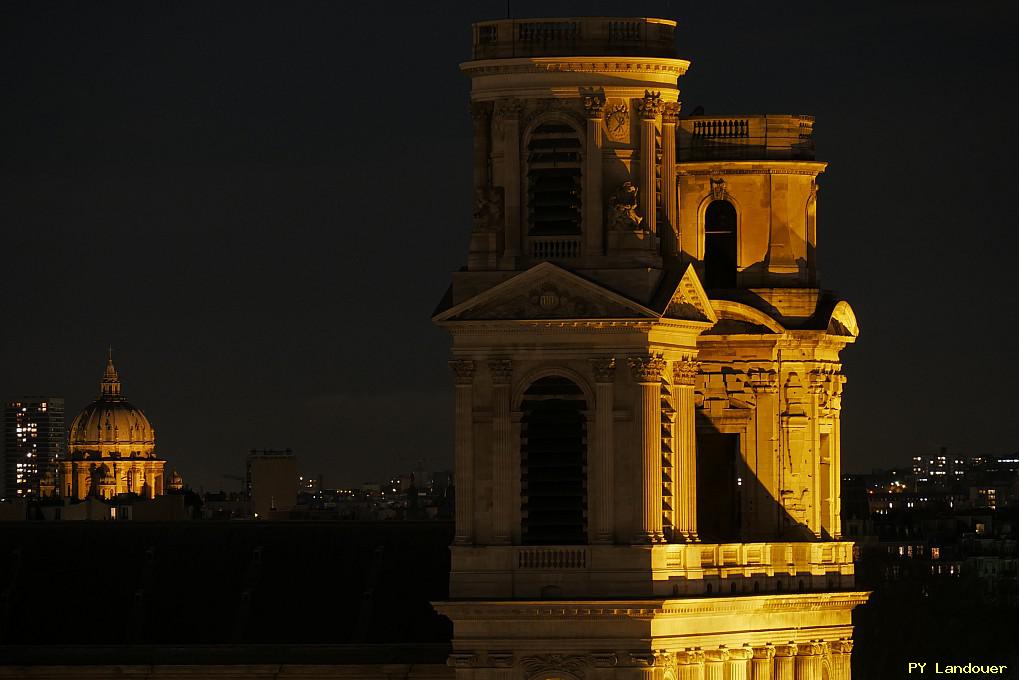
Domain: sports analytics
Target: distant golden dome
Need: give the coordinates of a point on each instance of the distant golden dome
(110, 427)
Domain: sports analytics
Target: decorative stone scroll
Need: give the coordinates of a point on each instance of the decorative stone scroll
(539, 666)
(647, 369)
(481, 112)
(510, 107)
(501, 370)
(651, 105)
(670, 113)
(617, 122)
(684, 372)
(718, 192)
(463, 371)
(594, 105)
(604, 369)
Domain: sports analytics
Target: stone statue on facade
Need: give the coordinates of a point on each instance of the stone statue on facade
(487, 208)
(623, 209)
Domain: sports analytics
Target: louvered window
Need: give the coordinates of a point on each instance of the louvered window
(553, 180)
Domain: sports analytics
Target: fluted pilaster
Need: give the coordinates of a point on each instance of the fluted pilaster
(605, 376)
(650, 107)
(463, 449)
(594, 108)
(684, 378)
(501, 371)
(762, 664)
(647, 373)
(670, 202)
(785, 661)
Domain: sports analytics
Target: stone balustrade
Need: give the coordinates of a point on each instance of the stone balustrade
(579, 36)
(777, 137)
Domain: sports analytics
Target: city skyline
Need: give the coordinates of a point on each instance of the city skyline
(211, 193)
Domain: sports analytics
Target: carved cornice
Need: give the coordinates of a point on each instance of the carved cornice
(594, 106)
(604, 369)
(647, 368)
(501, 370)
(508, 108)
(684, 372)
(650, 609)
(670, 113)
(701, 169)
(651, 105)
(668, 68)
(545, 663)
(463, 371)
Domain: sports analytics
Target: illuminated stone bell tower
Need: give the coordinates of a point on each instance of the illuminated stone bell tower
(647, 376)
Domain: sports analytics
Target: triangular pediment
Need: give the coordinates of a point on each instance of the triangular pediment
(546, 291)
(688, 300)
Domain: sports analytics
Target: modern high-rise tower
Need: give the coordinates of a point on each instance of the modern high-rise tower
(34, 440)
(647, 376)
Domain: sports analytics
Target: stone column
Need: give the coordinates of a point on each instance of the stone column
(670, 200)
(501, 371)
(808, 661)
(594, 108)
(684, 378)
(690, 665)
(463, 450)
(647, 373)
(841, 653)
(481, 118)
(785, 661)
(645, 666)
(649, 107)
(604, 476)
(738, 665)
(714, 664)
(761, 664)
(508, 112)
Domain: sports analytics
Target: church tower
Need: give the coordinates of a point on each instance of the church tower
(647, 376)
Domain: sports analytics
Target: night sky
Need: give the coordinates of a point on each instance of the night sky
(258, 206)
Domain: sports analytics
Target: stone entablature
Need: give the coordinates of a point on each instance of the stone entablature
(740, 638)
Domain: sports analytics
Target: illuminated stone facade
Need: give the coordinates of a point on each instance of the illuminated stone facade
(111, 449)
(647, 376)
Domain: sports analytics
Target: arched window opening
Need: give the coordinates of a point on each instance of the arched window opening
(553, 458)
(720, 245)
(553, 180)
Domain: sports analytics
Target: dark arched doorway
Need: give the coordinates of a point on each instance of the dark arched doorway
(553, 464)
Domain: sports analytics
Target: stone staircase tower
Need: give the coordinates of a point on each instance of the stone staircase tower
(647, 376)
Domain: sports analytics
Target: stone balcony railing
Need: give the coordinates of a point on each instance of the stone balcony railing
(758, 137)
(577, 36)
(553, 247)
(652, 570)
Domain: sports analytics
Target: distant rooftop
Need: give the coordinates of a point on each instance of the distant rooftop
(574, 36)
